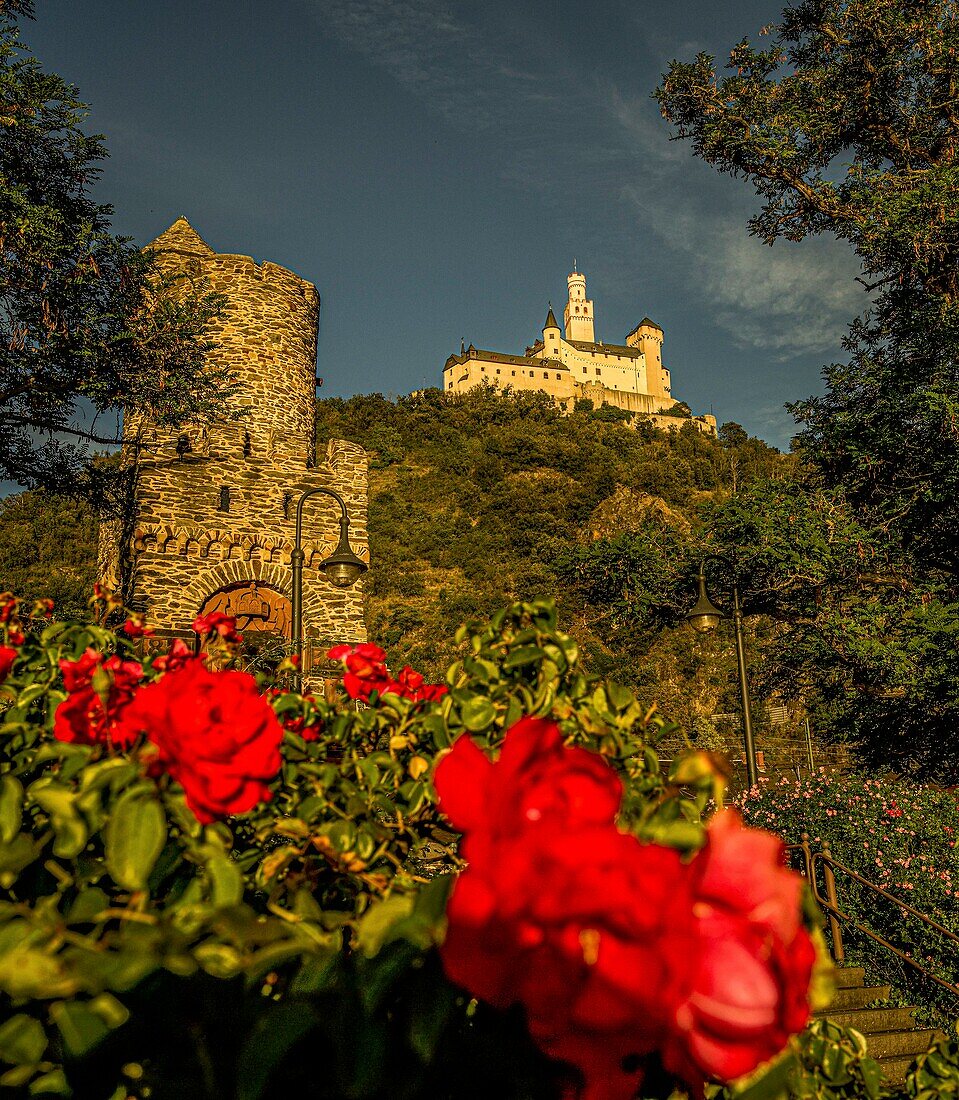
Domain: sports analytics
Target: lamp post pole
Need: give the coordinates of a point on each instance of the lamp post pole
(342, 568)
(703, 618)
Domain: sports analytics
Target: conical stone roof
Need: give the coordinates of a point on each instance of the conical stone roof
(181, 237)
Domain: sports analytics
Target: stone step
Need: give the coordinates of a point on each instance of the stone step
(894, 1070)
(855, 997)
(874, 1021)
(898, 1044)
(850, 977)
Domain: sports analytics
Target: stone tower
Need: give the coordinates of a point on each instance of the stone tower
(214, 503)
(647, 337)
(578, 317)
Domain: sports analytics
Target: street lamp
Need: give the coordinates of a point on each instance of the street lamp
(703, 618)
(342, 567)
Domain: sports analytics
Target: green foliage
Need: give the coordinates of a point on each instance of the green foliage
(309, 922)
(482, 497)
(48, 548)
(87, 324)
(898, 835)
(846, 124)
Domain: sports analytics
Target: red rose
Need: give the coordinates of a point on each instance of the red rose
(98, 692)
(616, 948)
(560, 911)
(751, 988)
(217, 623)
(366, 673)
(179, 655)
(214, 733)
(8, 606)
(7, 657)
(410, 685)
(136, 627)
(305, 721)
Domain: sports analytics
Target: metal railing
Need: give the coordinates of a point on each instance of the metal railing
(819, 864)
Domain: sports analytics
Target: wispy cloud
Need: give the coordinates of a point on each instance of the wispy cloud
(786, 301)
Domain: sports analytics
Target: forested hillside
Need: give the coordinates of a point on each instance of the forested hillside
(475, 500)
(482, 498)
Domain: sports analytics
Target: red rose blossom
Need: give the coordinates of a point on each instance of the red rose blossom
(217, 623)
(98, 691)
(616, 948)
(8, 606)
(180, 654)
(7, 656)
(560, 911)
(366, 673)
(214, 733)
(136, 627)
(751, 989)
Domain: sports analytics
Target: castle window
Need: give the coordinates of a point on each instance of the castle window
(497, 370)
(513, 373)
(247, 445)
(183, 446)
(598, 371)
(559, 376)
(224, 505)
(546, 374)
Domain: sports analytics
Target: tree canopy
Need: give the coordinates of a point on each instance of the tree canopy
(87, 324)
(847, 123)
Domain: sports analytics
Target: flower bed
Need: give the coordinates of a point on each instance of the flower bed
(212, 886)
(902, 837)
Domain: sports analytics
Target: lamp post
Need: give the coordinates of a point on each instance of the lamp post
(703, 618)
(342, 567)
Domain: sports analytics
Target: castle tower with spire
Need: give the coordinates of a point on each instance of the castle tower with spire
(213, 511)
(578, 316)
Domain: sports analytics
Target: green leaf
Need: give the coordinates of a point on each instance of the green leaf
(135, 836)
(53, 1083)
(226, 881)
(11, 807)
(22, 1039)
(274, 1033)
(81, 1027)
(59, 802)
(477, 713)
(523, 655)
(376, 924)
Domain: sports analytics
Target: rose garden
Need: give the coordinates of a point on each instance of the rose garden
(213, 885)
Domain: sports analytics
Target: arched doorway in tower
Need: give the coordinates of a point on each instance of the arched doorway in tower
(257, 607)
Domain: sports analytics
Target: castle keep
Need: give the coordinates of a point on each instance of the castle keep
(571, 365)
(214, 504)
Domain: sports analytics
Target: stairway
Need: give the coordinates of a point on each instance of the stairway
(891, 1034)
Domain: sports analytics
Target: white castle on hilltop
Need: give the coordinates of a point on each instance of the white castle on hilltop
(571, 365)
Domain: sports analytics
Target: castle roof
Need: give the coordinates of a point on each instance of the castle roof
(605, 349)
(550, 320)
(646, 322)
(181, 237)
(501, 357)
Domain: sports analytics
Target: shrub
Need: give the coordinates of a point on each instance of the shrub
(902, 837)
(213, 886)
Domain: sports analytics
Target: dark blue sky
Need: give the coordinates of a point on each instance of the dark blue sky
(434, 167)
